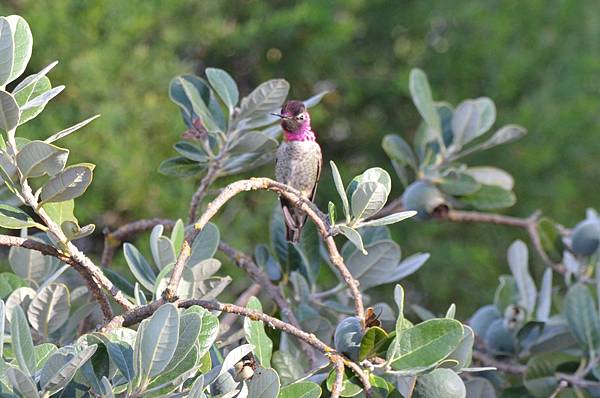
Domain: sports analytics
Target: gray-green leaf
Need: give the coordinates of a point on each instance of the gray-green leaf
(224, 85)
(422, 98)
(49, 310)
(9, 110)
(37, 158)
(21, 341)
(256, 335)
(13, 218)
(139, 266)
(68, 184)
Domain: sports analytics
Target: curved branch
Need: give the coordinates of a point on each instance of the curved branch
(293, 196)
(112, 240)
(13, 241)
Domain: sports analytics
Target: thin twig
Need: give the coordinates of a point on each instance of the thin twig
(262, 279)
(338, 384)
(114, 239)
(506, 367)
(241, 301)
(13, 241)
(211, 175)
(529, 224)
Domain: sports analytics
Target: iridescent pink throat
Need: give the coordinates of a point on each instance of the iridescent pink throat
(305, 134)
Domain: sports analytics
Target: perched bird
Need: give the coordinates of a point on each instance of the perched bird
(298, 164)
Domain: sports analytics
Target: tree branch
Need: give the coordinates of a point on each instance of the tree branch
(293, 196)
(13, 241)
(336, 388)
(259, 277)
(113, 240)
(211, 175)
(529, 224)
(506, 367)
(85, 267)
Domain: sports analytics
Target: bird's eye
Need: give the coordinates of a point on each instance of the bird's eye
(300, 116)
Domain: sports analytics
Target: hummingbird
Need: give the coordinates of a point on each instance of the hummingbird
(298, 163)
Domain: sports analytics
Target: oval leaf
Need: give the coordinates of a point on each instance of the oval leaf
(69, 184)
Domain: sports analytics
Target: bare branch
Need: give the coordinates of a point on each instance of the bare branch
(211, 175)
(293, 196)
(506, 367)
(338, 384)
(242, 301)
(112, 240)
(259, 277)
(13, 241)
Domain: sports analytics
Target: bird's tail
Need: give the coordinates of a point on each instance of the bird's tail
(294, 220)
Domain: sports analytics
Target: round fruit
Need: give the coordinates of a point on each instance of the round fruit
(424, 198)
(586, 237)
(441, 383)
(347, 337)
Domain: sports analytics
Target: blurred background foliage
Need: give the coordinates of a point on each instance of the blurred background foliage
(538, 60)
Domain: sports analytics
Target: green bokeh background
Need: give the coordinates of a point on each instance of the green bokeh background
(539, 60)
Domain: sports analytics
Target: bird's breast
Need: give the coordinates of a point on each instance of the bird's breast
(298, 164)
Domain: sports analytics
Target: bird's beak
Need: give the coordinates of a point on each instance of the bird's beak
(280, 115)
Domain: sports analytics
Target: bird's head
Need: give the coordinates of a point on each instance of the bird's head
(294, 117)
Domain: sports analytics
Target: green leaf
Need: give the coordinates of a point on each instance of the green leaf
(582, 317)
(32, 86)
(177, 236)
(427, 344)
(464, 352)
(21, 341)
(3, 316)
(331, 213)
(540, 378)
(354, 237)
(30, 265)
(350, 384)
(35, 106)
(256, 335)
(398, 150)
(161, 247)
(189, 331)
(267, 97)
(465, 123)
(9, 110)
(208, 330)
(487, 114)
(139, 266)
(375, 342)
(545, 297)
(391, 219)
(13, 218)
(374, 174)
(458, 184)
(7, 50)
(191, 151)
(301, 389)
(253, 141)
(224, 85)
(551, 239)
(287, 366)
(488, 175)
(22, 383)
(71, 183)
(508, 133)
(38, 158)
(10, 284)
(72, 129)
(22, 46)
(61, 378)
(180, 167)
(205, 245)
(315, 99)
(192, 93)
(60, 212)
(264, 384)
(490, 197)
(368, 199)
(421, 97)
(157, 343)
(479, 387)
(518, 263)
(339, 186)
(121, 354)
(50, 308)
